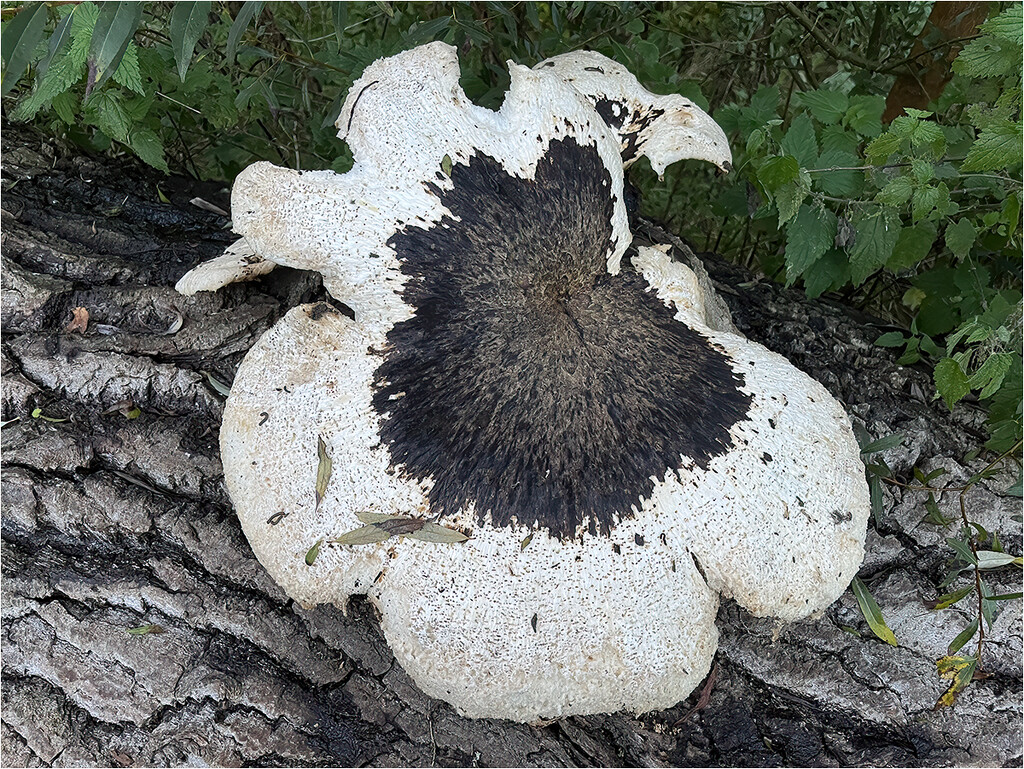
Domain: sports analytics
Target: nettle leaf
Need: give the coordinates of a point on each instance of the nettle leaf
(842, 184)
(115, 27)
(990, 375)
(891, 339)
(913, 245)
(20, 37)
(872, 613)
(1008, 26)
(800, 141)
(896, 192)
(777, 171)
(789, 196)
(188, 22)
(108, 112)
(808, 236)
(998, 146)
(127, 72)
(876, 237)
(960, 237)
(829, 273)
(828, 107)
(950, 381)
(865, 114)
(987, 57)
(147, 145)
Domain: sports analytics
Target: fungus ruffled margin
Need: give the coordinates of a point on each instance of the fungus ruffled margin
(517, 369)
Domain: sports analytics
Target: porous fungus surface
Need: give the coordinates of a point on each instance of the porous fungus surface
(513, 373)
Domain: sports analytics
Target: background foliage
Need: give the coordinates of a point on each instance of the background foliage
(916, 221)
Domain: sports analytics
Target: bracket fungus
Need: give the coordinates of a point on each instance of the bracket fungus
(518, 373)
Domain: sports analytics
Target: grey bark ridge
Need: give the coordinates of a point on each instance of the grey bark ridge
(111, 523)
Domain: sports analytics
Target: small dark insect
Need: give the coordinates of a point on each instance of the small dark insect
(594, 69)
(638, 539)
(533, 622)
(617, 549)
(276, 518)
(264, 416)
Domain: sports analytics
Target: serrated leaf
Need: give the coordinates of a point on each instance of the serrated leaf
(323, 470)
(433, 532)
(912, 246)
(246, 13)
(960, 237)
(789, 197)
(146, 630)
(313, 552)
(364, 535)
(188, 22)
(839, 183)
(20, 37)
(115, 27)
(1007, 26)
(950, 381)
(800, 141)
(827, 106)
(127, 72)
(945, 601)
(896, 192)
(998, 146)
(110, 115)
(883, 444)
(884, 146)
(989, 376)
(777, 171)
(872, 613)
(865, 114)
(876, 236)
(147, 145)
(808, 236)
(987, 57)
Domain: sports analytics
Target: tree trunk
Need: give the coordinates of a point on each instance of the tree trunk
(115, 517)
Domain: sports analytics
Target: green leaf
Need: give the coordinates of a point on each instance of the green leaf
(250, 9)
(896, 192)
(891, 339)
(950, 381)
(147, 145)
(339, 17)
(777, 171)
(987, 57)
(127, 72)
(945, 601)
(368, 517)
(830, 272)
(963, 551)
(998, 146)
(800, 142)
(839, 183)
(828, 107)
(989, 559)
(37, 413)
(188, 22)
(115, 27)
(963, 637)
(526, 541)
(913, 245)
(808, 236)
(883, 147)
(313, 552)
(446, 165)
(989, 376)
(883, 444)
(145, 630)
(1006, 597)
(788, 197)
(865, 114)
(110, 115)
(61, 36)
(18, 43)
(323, 470)
(960, 237)
(1008, 26)
(872, 613)
(876, 237)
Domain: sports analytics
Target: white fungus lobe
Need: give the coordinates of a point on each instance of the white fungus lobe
(518, 371)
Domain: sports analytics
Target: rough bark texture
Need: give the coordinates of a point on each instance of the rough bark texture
(112, 522)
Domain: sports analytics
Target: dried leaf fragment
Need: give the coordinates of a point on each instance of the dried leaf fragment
(313, 552)
(145, 630)
(323, 470)
(79, 321)
(446, 165)
(526, 541)
(961, 672)
(381, 526)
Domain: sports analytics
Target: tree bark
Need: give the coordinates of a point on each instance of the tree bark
(114, 520)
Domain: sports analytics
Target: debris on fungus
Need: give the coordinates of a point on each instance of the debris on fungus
(517, 373)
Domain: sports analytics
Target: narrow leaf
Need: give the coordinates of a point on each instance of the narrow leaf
(368, 517)
(188, 22)
(963, 637)
(945, 601)
(61, 36)
(339, 13)
(246, 13)
(145, 630)
(962, 550)
(19, 42)
(1005, 597)
(883, 444)
(989, 559)
(872, 613)
(323, 470)
(432, 532)
(115, 27)
(313, 552)
(364, 535)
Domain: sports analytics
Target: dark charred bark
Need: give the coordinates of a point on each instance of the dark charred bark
(113, 521)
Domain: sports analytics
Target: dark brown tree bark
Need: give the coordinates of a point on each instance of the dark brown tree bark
(113, 521)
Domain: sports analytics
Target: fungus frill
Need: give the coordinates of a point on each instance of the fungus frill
(518, 372)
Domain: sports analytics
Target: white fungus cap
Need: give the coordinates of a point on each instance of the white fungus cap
(516, 372)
